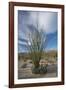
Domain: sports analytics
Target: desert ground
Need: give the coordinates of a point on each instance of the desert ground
(24, 70)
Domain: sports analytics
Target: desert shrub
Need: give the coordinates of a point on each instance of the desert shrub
(35, 70)
(30, 62)
(24, 65)
(39, 70)
(43, 69)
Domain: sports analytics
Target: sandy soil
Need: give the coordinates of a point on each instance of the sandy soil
(27, 73)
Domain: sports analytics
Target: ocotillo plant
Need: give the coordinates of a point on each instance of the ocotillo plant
(36, 43)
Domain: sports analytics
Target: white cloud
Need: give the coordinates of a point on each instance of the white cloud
(46, 20)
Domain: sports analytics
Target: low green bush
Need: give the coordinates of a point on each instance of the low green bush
(35, 70)
(43, 69)
(40, 70)
(24, 65)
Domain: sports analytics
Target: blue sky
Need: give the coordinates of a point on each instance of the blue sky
(47, 21)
